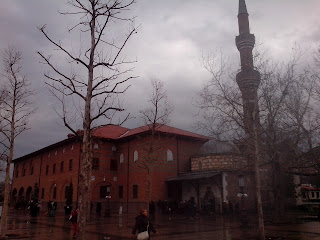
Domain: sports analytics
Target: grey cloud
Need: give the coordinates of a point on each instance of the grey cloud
(168, 46)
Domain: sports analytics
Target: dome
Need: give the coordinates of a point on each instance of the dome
(219, 147)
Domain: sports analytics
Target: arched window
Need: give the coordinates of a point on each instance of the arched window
(135, 156)
(96, 146)
(169, 156)
(121, 158)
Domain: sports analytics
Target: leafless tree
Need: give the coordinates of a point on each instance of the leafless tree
(154, 116)
(15, 111)
(288, 116)
(99, 75)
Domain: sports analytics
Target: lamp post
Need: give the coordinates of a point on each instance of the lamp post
(242, 195)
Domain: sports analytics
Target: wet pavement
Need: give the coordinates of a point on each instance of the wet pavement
(23, 226)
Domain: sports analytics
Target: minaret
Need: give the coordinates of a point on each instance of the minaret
(248, 78)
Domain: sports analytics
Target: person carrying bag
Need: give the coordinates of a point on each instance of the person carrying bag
(143, 226)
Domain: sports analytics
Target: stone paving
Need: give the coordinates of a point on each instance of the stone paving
(22, 226)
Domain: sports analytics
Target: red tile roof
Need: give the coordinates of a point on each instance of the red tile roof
(118, 132)
(109, 131)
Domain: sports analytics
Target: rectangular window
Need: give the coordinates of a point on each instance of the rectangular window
(120, 192)
(23, 172)
(70, 165)
(135, 191)
(105, 191)
(47, 169)
(113, 165)
(66, 192)
(17, 173)
(54, 193)
(42, 193)
(61, 166)
(54, 169)
(31, 171)
(95, 164)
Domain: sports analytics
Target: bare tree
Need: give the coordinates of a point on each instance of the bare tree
(289, 122)
(154, 116)
(99, 75)
(15, 112)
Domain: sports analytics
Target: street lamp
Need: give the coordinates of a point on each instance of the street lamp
(242, 195)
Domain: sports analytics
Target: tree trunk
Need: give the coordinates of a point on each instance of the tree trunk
(5, 206)
(258, 182)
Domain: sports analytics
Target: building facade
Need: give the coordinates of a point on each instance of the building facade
(120, 166)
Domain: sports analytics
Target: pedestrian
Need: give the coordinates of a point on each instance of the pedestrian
(98, 209)
(74, 220)
(152, 210)
(143, 226)
(49, 207)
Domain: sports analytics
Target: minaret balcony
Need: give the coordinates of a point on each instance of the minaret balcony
(245, 40)
(248, 79)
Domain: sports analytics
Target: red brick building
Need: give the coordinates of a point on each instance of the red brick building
(119, 166)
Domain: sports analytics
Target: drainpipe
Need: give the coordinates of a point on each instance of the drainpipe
(40, 174)
(128, 165)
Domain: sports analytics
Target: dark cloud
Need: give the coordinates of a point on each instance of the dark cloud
(168, 46)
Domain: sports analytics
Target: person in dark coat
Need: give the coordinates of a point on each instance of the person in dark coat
(152, 210)
(143, 224)
(98, 209)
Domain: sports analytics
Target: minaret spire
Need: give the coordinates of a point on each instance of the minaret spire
(242, 7)
(248, 79)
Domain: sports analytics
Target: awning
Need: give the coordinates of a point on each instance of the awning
(193, 175)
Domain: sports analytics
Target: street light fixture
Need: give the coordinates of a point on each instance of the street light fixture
(242, 195)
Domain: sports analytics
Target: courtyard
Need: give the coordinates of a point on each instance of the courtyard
(221, 227)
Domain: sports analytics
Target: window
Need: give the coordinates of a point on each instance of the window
(17, 173)
(113, 165)
(63, 150)
(70, 165)
(55, 153)
(42, 193)
(49, 155)
(47, 169)
(169, 156)
(66, 192)
(135, 156)
(23, 172)
(31, 171)
(54, 193)
(95, 164)
(121, 158)
(105, 191)
(135, 191)
(71, 147)
(61, 166)
(120, 191)
(54, 169)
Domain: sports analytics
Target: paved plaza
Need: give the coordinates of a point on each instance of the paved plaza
(22, 226)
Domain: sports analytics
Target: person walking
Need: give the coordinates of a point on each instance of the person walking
(74, 220)
(152, 210)
(143, 225)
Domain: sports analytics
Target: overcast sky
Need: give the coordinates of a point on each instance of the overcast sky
(169, 44)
